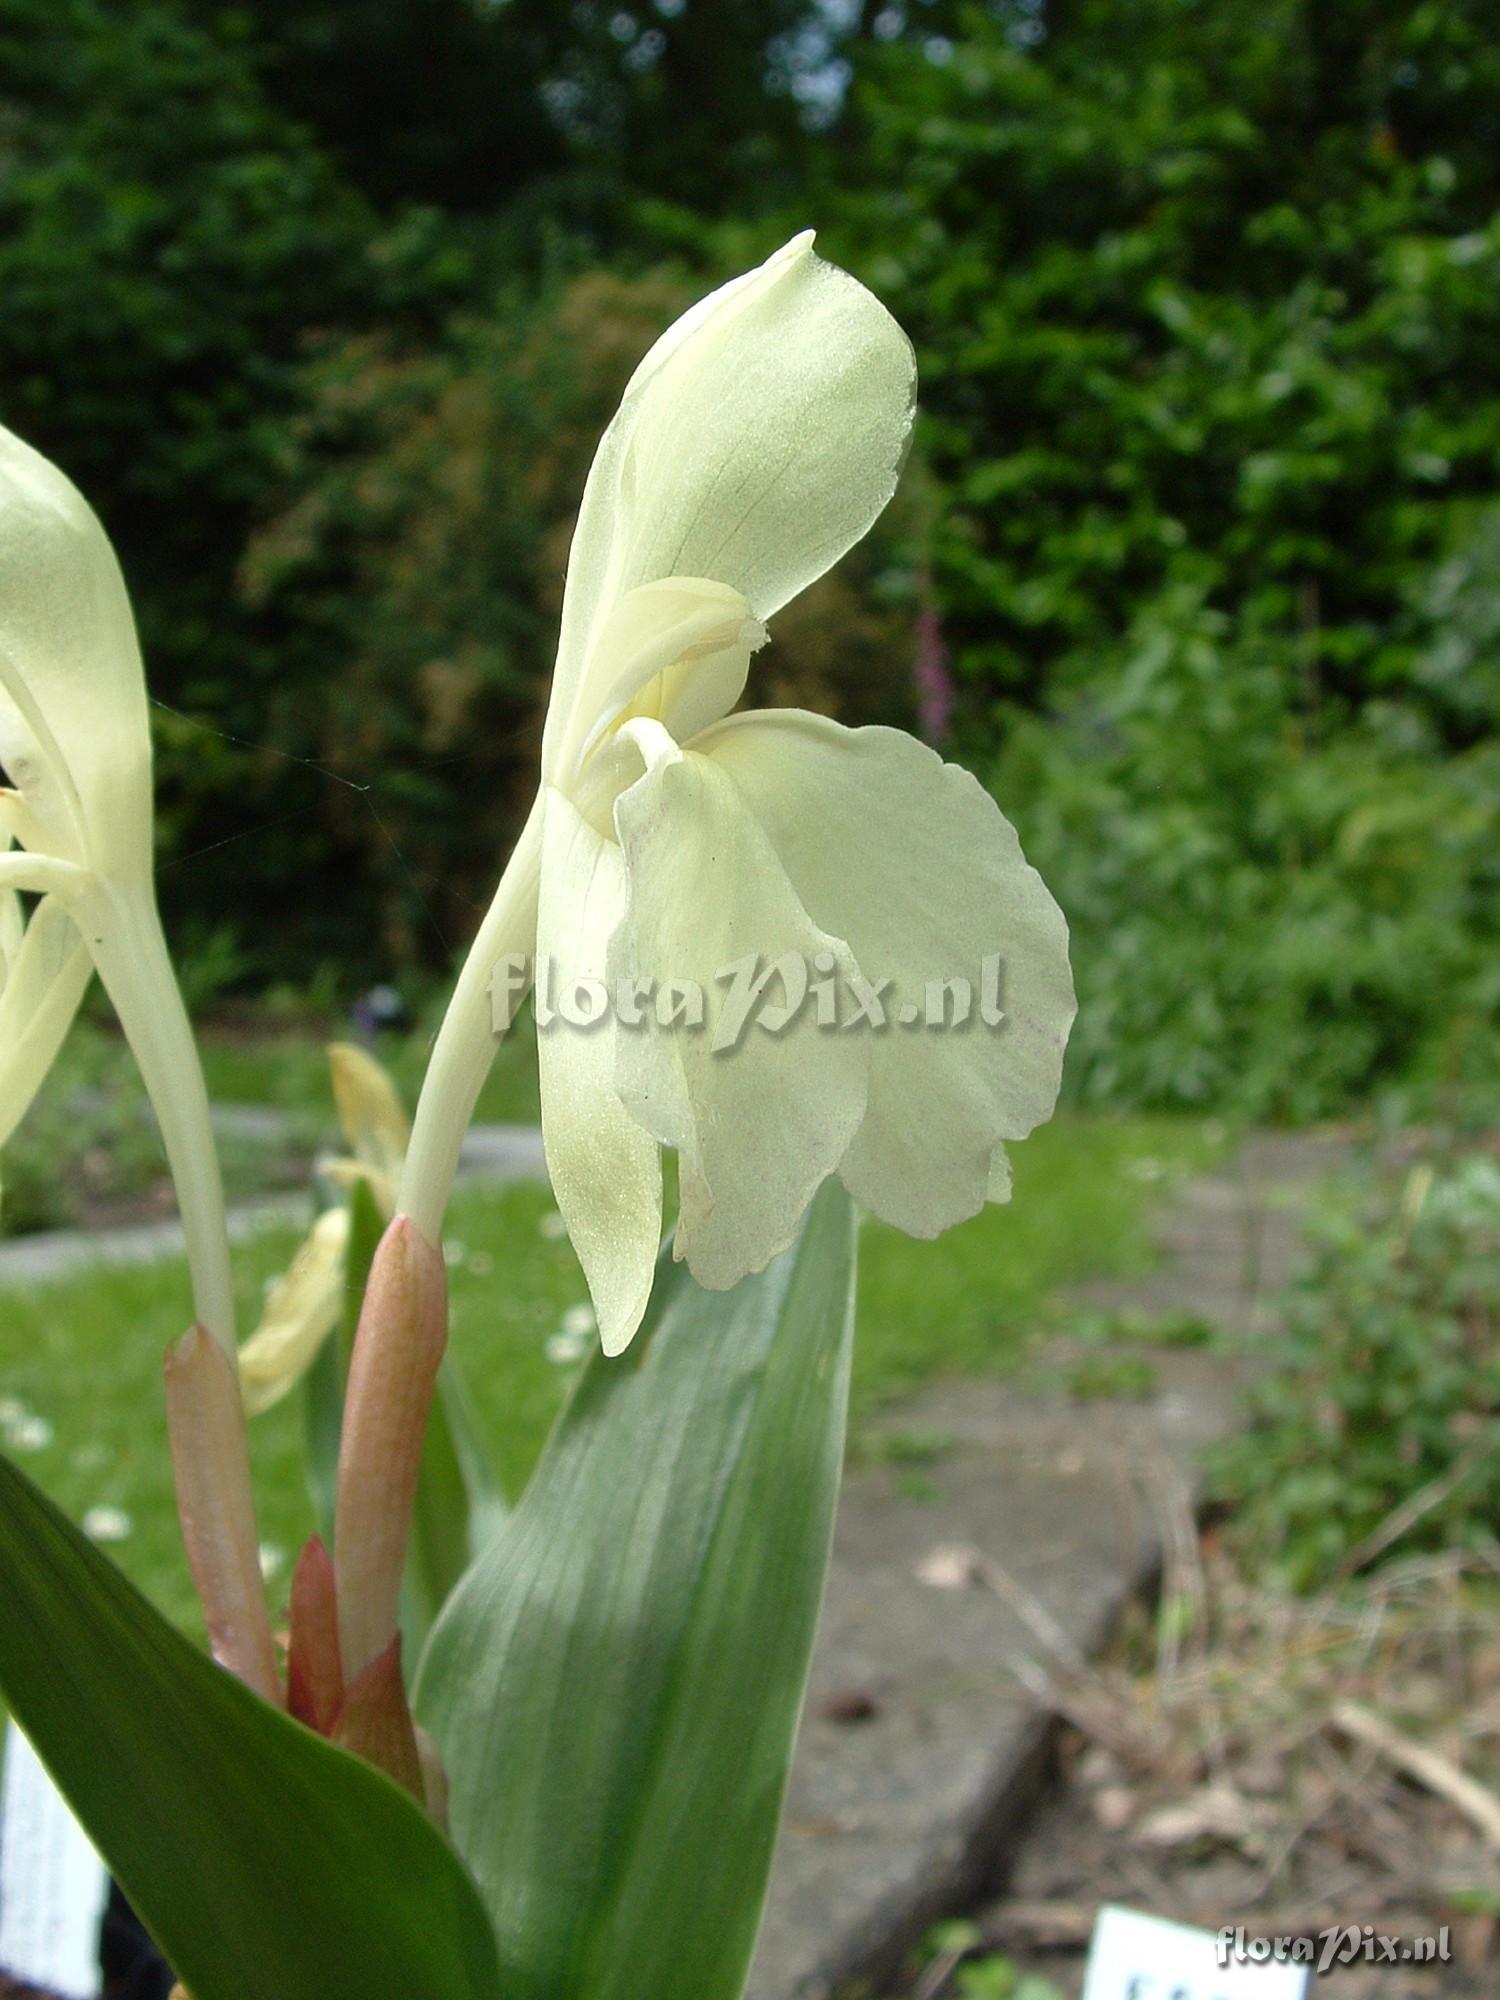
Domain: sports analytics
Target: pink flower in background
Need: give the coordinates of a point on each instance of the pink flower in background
(934, 683)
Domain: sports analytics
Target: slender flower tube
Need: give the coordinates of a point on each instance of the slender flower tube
(75, 746)
(465, 1044)
(756, 443)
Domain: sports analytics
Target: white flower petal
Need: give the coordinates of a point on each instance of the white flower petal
(75, 740)
(760, 1118)
(679, 652)
(348, 1174)
(605, 1169)
(911, 860)
(43, 983)
(756, 443)
(75, 734)
(44, 875)
(302, 1308)
(370, 1111)
(12, 921)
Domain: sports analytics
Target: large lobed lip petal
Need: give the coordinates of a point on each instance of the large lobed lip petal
(756, 443)
(861, 853)
(911, 861)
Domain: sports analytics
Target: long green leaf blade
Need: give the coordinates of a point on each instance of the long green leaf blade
(458, 1505)
(267, 1864)
(323, 1391)
(616, 1683)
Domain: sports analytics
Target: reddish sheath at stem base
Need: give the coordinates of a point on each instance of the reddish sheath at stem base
(403, 1329)
(211, 1464)
(370, 1715)
(314, 1671)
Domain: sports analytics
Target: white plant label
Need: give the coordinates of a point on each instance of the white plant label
(1135, 1957)
(53, 1886)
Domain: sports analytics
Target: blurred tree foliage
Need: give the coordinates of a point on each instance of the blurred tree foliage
(425, 550)
(171, 250)
(327, 305)
(1206, 297)
(569, 111)
(1199, 292)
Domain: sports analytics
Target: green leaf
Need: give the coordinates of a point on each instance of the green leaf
(459, 1506)
(616, 1683)
(366, 1227)
(322, 1419)
(267, 1864)
(323, 1392)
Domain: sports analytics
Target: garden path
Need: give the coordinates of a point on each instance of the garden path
(1002, 1531)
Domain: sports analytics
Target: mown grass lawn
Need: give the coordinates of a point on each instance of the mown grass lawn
(80, 1360)
(290, 1072)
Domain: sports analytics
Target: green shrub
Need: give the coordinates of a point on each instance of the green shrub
(430, 496)
(1202, 294)
(1272, 912)
(172, 247)
(1385, 1384)
(1205, 299)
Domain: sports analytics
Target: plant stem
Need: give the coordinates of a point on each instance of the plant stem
(466, 1041)
(205, 1414)
(131, 955)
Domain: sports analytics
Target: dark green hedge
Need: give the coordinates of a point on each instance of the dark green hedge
(1204, 517)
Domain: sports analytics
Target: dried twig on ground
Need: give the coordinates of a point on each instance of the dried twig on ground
(1438, 1774)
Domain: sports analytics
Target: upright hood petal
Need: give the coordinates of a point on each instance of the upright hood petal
(756, 443)
(75, 735)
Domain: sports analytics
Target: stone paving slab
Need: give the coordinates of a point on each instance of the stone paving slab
(921, 1752)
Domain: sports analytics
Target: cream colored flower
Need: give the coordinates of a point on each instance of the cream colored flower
(306, 1302)
(756, 443)
(44, 971)
(75, 829)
